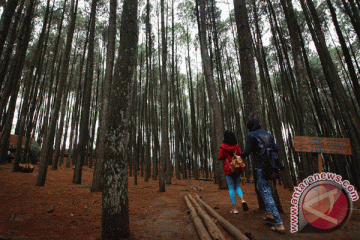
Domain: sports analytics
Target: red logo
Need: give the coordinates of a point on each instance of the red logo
(325, 206)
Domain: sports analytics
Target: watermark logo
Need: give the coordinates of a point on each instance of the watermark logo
(321, 203)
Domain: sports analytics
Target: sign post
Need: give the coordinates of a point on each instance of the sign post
(322, 145)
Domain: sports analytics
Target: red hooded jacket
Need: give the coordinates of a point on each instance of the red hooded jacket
(226, 153)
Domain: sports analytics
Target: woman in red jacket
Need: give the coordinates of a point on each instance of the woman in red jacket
(233, 179)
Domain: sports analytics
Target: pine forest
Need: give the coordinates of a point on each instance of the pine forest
(146, 89)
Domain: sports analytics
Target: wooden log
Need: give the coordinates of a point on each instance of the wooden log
(205, 179)
(196, 188)
(231, 229)
(200, 228)
(213, 230)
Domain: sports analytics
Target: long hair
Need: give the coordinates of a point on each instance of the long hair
(229, 137)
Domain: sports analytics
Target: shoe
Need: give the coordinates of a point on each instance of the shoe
(245, 206)
(270, 221)
(275, 229)
(234, 211)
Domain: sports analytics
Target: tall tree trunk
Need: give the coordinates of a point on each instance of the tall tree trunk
(174, 96)
(215, 113)
(5, 22)
(65, 138)
(85, 113)
(15, 72)
(115, 203)
(266, 85)
(247, 70)
(165, 155)
(60, 131)
(346, 53)
(23, 115)
(37, 60)
(5, 136)
(349, 116)
(247, 63)
(52, 72)
(49, 140)
(100, 143)
(219, 67)
(194, 130)
(10, 44)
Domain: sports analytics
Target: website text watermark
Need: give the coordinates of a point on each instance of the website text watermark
(320, 200)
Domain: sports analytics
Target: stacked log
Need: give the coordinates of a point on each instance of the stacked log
(213, 230)
(231, 229)
(210, 230)
(201, 230)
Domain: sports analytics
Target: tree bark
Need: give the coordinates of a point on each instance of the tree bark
(165, 155)
(215, 113)
(5, 22)
(96, 184)
(15, 72)
(49, 140)
(85, 113)
(115, 202)
(247, 63)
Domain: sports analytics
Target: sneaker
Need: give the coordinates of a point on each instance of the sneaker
(234, 211)
(245, 206)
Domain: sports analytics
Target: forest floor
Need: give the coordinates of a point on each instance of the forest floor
(62, 210)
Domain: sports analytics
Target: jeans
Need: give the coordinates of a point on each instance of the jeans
(233, 182)
(265, 192)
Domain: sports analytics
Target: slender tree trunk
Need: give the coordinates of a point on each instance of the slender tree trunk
(174, 99)
(264, 76)
(349, 115)
(115, 203)
(346, 53)
(5, 22)
(247, 63)
(215, 113)
(10, 44)
(52, 72)
(41, 47)
(96, 185)
(24, 111)
(64, 140)
(59, 134)
(15, 72)
(85, 113)
(49, 140)
(165, 155)
(5, 136)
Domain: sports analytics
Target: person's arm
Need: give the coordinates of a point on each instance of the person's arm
(238, 150)
(248, 147)
(221, 156)
(275, 147)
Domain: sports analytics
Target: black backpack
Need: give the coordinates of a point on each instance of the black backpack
(273, 167)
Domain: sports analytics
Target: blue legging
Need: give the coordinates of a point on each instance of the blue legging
(233, 182)
(265, 192)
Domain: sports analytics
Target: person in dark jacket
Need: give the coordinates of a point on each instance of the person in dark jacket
(233, 179)
(255, 138)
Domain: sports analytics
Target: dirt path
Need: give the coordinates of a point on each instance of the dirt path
(62, 210)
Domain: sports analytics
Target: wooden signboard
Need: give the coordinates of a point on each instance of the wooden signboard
(322, 145)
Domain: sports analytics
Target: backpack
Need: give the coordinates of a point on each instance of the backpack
(237, 165)
(273, 167)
